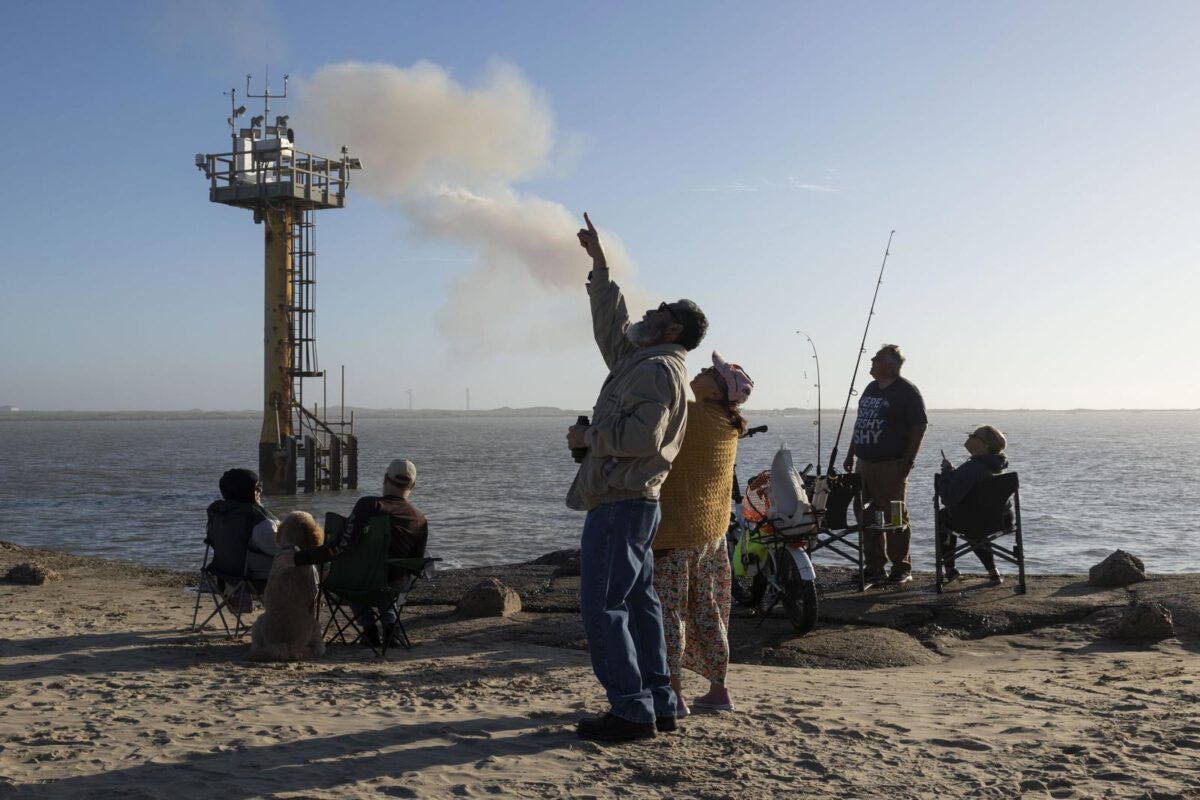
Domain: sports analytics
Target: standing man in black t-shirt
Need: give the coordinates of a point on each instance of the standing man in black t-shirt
(887, 436)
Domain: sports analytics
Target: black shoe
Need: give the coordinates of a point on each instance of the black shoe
(900, 576)
(995, 578)
(394, 635)
(874, 579)
(611, 728)
(666, 724)
(951, 575)
(370, 636)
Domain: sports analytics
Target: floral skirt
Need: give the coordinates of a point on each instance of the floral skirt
(693, 584)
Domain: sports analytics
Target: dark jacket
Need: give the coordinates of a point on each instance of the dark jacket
(409, 532)
(957, 482)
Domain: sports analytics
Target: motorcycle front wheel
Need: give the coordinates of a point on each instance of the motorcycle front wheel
(799, 596)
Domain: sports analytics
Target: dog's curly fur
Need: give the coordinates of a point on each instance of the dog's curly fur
(288, 628)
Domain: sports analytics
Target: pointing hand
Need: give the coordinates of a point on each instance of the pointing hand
(589, 240)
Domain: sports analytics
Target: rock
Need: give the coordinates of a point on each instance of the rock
(489, 598)
(1144, 620)
(1119, 569)
(31, 574)
(567, 561)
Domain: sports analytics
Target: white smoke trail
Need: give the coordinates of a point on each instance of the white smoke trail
(448, 156)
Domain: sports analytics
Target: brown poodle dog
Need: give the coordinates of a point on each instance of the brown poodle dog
(288, 628)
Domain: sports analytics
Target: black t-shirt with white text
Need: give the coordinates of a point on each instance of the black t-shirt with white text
(886, 417)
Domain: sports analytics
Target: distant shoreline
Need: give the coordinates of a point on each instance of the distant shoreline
(542, 411)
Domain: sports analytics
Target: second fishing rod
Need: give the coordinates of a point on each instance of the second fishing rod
(862, 348)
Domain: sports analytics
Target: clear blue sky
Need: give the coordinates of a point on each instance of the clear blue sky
(1037, 160)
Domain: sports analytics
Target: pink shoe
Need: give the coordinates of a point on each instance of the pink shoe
(714, 701)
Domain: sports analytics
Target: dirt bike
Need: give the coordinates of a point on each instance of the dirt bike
(769, 552)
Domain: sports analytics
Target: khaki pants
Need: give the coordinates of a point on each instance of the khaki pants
(883, 482)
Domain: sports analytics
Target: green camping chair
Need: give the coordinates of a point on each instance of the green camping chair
(225, 570)
(360, 576)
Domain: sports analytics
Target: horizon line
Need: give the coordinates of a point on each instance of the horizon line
(19, 412)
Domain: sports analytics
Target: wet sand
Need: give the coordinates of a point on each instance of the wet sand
(104, 693)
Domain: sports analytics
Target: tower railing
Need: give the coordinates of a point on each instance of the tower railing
(245, 178)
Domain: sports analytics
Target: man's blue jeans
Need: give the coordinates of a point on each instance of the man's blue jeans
(622, 616)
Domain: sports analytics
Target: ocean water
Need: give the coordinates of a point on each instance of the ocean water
(493, 487)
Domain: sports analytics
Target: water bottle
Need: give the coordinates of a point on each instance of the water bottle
(578, 453)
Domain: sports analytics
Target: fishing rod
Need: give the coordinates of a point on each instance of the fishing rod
(818, 421)
(862, 348)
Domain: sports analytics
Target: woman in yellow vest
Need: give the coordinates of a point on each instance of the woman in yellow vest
(691, 565)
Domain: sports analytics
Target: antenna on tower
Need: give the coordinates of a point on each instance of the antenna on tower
(235, 111)
(280, 127)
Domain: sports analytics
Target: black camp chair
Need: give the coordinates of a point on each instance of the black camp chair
(360, 575)
(980, 519)
(836, 525)
(225, 570)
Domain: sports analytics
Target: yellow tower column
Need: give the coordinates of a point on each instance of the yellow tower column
(276, 443)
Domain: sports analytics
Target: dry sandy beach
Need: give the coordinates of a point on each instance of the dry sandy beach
(104, 693)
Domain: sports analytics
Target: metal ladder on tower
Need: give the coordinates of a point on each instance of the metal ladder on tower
(302, 313)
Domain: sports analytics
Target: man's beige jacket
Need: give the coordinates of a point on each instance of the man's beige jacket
(639, 418)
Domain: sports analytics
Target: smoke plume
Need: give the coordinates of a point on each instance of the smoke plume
(449, 157)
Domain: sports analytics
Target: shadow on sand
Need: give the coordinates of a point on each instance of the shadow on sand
(320, 763)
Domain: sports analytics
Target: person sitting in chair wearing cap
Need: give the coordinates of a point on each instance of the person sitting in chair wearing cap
(986, 444)
(410, 534)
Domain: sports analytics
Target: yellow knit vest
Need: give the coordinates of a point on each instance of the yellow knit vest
(695, 496)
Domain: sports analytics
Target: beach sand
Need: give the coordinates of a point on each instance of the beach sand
(104, 693)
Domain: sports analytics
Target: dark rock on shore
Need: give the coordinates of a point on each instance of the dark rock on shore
(850, 647)
(1144, 620)
(1119, 569)
(120, 570)
(567, 561)
(31, 573)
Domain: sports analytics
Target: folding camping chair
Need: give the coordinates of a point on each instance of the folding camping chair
(834, 525)
(225, 570)
(981, 518)
(360, 576)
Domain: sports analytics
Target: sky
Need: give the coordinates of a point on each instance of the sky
(1037, 162)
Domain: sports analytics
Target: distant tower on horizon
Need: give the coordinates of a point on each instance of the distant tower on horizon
(285, 187)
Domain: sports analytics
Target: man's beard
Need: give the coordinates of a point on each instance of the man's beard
(646, 334)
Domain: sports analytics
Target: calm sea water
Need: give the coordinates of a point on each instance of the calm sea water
(493, 487)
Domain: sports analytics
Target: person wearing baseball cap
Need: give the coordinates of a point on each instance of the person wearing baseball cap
(691, 566)
(409, 537)
(987, 446)
(888, 431)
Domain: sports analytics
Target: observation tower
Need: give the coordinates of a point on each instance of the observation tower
(284, 188)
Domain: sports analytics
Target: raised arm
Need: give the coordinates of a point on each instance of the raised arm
(610, 318)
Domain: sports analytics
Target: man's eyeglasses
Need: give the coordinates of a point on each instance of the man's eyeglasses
(667, 308)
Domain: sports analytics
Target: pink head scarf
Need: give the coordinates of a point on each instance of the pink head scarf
(737, 382)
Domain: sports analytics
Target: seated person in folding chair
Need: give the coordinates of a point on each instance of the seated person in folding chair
(410, 534)
(241, 490)
(986, 446)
